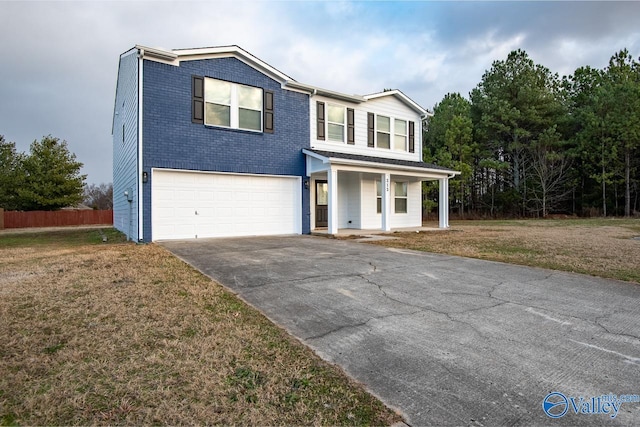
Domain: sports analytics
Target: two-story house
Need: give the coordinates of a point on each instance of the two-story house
(214, 142)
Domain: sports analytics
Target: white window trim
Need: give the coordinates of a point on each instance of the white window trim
(343, 124)
(234, 107)
(395, 197)
(405, 135)
(392, 133)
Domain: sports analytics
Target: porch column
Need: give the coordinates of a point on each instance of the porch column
(443, 203)
(332, 183)
(385, 179)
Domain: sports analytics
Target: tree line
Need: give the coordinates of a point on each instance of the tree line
(529, 143)
(46, 178)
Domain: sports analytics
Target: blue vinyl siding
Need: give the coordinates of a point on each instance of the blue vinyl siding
(171, 140)
(125, 154)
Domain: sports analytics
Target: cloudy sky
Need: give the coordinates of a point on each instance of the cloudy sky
(60, 59)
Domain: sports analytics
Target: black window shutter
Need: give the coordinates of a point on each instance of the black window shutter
(370, 129)
(197, 99)
(268, 111)
(412, 137)
(320, 121)
(351, 137)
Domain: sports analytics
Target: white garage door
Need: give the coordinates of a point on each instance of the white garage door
(187, 205)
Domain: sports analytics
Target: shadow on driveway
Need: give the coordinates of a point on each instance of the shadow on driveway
(445, 340)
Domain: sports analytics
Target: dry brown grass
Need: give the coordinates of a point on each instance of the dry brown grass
(600, 247)
(126, 334)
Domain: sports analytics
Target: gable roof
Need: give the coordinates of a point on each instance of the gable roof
(401, 96)
(175, 56)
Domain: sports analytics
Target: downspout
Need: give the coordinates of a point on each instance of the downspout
(139, 174)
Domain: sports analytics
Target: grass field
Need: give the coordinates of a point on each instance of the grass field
(600, 247)
(117, 333)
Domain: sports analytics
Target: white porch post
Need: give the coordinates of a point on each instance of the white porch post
(332, 183)
(443, 203)
(385, 180)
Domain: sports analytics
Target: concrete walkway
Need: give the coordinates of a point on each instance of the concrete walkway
(445, 340)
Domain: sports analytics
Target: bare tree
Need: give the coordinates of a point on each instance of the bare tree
(549, 166)
(99, 196)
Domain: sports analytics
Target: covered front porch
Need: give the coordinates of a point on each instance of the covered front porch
(354, 192)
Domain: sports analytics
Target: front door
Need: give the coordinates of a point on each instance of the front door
(322, 201)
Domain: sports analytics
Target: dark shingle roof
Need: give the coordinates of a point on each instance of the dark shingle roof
(380, 160)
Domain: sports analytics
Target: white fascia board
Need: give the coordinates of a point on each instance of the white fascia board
(423, 175)
(313, 90)
(404, 98)
(431, 172)
(155, 53)
(417, 171)
(232, 51)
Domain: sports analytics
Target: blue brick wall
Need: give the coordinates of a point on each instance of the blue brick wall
(170, 140)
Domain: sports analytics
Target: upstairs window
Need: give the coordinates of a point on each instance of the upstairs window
(383, 134)
(400, 135)
(379, 132)
(335, 123)
(231, 105)
(217, 102)
(250, 108)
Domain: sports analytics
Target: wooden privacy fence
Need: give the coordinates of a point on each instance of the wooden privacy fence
(14, 219)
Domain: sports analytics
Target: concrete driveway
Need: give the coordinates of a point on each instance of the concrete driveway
(445, 340)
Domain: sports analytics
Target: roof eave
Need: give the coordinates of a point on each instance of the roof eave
(314, 90)
(153, 52)
(402, 97)
(177, 55)
(376, 165)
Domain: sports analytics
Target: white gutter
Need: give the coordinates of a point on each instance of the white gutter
(139, 177)
(156, 53)
(313, 90)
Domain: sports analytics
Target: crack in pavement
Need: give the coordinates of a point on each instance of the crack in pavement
(324, 278)
(357, 325)
(607, 330)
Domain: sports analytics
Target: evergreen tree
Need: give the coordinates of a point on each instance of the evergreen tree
(52, 178)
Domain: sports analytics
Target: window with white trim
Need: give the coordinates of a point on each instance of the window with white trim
(400, 195)
(378, 196)
(335, 122)
(400, 135)
(232, 105)
(383, 132)
(390, 133)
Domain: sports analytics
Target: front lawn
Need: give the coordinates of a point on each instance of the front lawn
(118, 333)
(600, 247)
